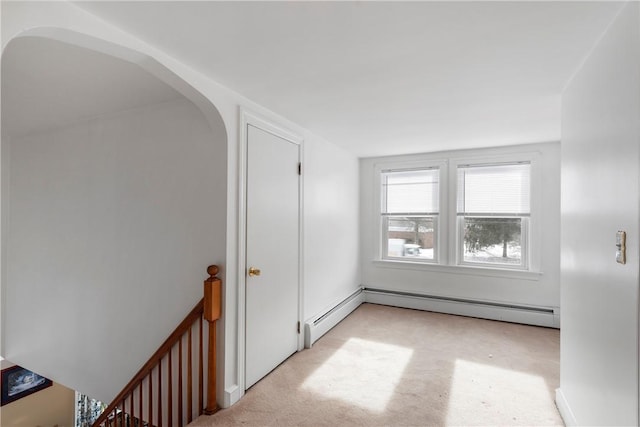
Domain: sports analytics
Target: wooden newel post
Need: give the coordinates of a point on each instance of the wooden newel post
(212, 312)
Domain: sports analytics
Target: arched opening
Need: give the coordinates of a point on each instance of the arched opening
(114, 188)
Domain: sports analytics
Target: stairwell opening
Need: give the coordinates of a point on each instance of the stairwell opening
(113, 198)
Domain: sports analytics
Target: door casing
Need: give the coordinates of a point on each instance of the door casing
(249, 118)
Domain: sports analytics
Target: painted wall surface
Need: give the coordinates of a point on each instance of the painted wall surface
(66, 22)
(460, 282)
(600, 195)
(331, 226)
(49, 407)
(110, 232)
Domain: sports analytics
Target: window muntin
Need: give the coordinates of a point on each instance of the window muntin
(410, 210)
(493, 209)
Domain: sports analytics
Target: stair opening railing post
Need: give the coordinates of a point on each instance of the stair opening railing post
(209, 309)
(212, 312)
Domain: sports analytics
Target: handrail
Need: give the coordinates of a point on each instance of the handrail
(208, 308)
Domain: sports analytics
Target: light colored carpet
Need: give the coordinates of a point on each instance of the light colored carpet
(396, 367)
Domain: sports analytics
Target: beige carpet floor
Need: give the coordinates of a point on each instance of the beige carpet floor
(386, 366)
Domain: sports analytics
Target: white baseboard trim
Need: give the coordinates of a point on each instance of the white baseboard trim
(232, 395)
(529, 315)
(565, 411)
(320, 325)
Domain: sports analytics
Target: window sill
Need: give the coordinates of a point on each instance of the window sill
(460, 269)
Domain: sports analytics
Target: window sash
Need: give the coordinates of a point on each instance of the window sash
(493, 215)
(524, 244)
(411, 192)
(386, 237)
(494, 190)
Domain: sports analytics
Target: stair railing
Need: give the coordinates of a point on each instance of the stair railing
(161, 393)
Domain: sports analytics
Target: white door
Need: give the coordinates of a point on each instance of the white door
(273, 248)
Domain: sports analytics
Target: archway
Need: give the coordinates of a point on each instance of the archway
(113, 203)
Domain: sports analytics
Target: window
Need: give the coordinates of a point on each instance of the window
(409, 214)
(461, 212)
(493, 214)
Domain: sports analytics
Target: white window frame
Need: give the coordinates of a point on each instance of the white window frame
(524, 233)
(530, 235)
(441, 222)
(447, 254)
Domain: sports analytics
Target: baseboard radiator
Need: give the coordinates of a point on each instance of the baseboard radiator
(515, 313)
(320, 325)
(527, 314)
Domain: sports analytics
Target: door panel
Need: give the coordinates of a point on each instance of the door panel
(273, 248)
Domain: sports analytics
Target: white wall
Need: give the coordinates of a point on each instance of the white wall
(600, 195)
(459, 282)
(331, 226)
(110, 231)
(64, 21)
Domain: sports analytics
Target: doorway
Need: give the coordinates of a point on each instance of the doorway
(272, 250)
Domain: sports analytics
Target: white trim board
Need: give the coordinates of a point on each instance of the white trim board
(316, 327)
(529, 315)
(232, 395)
(565, 411)
(247, 117)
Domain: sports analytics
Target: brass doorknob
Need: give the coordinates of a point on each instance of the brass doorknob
(254, 271)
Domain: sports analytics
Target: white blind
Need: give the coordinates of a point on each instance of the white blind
(494, 190)
(411, 191)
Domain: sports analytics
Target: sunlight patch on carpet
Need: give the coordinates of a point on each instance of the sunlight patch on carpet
(362, 373)
(481, 392)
